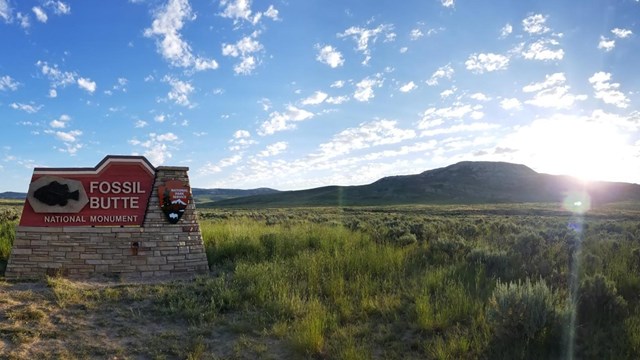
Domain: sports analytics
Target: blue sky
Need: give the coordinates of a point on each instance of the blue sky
(299, 94)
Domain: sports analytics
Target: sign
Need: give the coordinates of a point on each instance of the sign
(174, 198)
(115, 192)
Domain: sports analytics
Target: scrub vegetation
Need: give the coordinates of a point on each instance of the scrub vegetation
(439, 282)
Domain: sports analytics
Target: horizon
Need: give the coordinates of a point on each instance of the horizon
(302, 189)
(300, 95)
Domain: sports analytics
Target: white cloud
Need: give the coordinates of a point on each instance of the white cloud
(166, 26)
(446, 93)
(236, 9)
(364, 89)
(5, 11)
(479, 96)
(210, 168)
(506, 30)
(140, 124)
(364, 37)
(606, 44)
(59, 7)
(317, 98)
(60, 123)
(535, 24)
(433, 117)
(87, 84)
(25, 21)
(244, 49)
(69, 136)
(479, 63)
(510, 104)
(550, 81)
(158, 147)
(7, 83)
(607, 91)
(621, 33)
(336, 100)
(447, 3)
(540, 50)
(55, 75)
(408, 87)
(241, 134)
(404, 49)
(283, 121)
(337, 84)
(28, 108)
(376, 133)
(457, 128)
(246, 66)
(241, 140)
(180, 90)
(273, 149)
(415, 34)
(442, 72)
(330, 56)
(552, 93)
(272, 13)
(40, 14)
(53, 93)
(160, 118)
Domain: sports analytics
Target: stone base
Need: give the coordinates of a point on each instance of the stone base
(157, 249)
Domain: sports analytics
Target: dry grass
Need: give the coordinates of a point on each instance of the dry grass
(64, 319)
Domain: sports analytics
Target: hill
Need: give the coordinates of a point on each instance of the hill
(199, 195)
(13, 195)
(209, 195)
(466, 182)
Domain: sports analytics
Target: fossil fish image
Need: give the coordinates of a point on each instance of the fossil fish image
(55, 193)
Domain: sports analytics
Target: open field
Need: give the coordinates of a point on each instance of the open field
(435, 282)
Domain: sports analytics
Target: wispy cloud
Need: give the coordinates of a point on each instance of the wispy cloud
(244, 49)
(364, 88)
(279, 121)
(28, 108)
(8, 83)
(158, 148)
(552, 93)
(364, 37)
(166, 27)
(443, 72)
(180, 91)
(535, 24)
(607, 91)
(317, 98)
(480, 63)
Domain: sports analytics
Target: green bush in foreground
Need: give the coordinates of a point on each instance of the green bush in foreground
(525, 320)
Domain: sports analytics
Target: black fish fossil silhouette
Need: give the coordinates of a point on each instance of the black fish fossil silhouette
(55, 193)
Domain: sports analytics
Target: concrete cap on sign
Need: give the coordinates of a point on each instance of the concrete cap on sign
(72, 205)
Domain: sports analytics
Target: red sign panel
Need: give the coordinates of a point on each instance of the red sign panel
(115, 192)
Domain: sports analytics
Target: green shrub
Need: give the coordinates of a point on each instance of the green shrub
(524, 320)
(601, 312)
(497, 263)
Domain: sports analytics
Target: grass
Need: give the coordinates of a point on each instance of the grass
(349, 283)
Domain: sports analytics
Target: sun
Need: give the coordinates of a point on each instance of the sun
(588, 149)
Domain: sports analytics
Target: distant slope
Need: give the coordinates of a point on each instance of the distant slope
(13, 195)
(462, 183)
(209, 195)
(200, 195)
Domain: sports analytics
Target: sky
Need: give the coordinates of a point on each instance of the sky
(300, 94)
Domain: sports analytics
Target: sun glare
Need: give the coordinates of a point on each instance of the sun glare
(589, 150)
